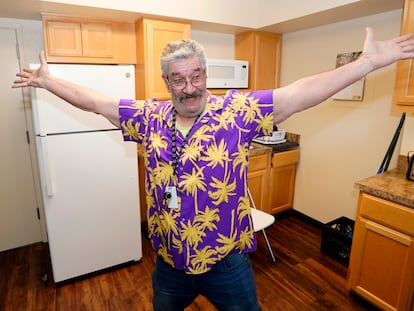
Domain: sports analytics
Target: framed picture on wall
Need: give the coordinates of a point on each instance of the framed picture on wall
(356, 90)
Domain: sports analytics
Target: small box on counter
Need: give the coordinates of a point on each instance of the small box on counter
(337, 239)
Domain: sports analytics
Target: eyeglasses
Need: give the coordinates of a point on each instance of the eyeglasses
(180, 83)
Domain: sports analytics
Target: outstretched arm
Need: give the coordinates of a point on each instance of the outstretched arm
(79, 96)
(310, 91)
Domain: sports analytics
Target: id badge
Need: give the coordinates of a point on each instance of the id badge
(171, 196)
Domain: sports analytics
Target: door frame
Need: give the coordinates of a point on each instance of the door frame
(26, 95)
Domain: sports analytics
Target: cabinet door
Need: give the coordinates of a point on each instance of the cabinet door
(97, 40)
(63, 38)
(258, 182)
(282, 180)
(263, 51)
(404, 84)
(382, 264)
(258, 179)
(152, 36)
(70, 39)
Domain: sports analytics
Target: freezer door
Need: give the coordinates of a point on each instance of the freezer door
(90, 193)
(53, 115)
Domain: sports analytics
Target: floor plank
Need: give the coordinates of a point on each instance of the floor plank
(302, 278)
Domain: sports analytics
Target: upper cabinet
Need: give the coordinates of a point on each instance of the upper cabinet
(263, 51)
(152, 36)
(79, 40)
(404, 84)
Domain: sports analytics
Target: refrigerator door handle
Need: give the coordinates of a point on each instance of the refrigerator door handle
(46, 168)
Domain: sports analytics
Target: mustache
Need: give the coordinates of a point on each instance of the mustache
(197, 93)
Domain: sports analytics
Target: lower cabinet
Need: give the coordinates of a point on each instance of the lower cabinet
(282, 177)
(272, 180)
(381, 268)
(258, 179)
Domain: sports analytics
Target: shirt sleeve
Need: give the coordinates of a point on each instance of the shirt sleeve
(264, 100)
(129, 112)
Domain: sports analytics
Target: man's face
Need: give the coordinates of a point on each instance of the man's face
(186, 83)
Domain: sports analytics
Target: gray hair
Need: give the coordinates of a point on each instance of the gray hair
(182, 49)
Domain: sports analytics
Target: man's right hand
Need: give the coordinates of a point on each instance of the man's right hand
(33, 77)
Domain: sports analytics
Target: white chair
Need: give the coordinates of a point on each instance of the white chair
(261, 220)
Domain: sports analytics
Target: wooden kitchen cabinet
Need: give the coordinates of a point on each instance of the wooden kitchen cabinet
(282, 176)
(381, 266)
(79, 40)
(152, 36)
(258, 179)
(263, 51)
(404, 84)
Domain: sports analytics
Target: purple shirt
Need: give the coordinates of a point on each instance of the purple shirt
(213, 214)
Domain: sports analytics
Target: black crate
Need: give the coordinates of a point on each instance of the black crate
(337, 239)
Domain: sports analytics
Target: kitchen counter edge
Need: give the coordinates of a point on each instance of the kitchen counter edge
(391, 185)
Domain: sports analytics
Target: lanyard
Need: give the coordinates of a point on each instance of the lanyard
(175, 153)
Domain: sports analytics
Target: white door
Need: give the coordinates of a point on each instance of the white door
(19, 223)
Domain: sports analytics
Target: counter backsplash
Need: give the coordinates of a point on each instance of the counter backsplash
(402, 162)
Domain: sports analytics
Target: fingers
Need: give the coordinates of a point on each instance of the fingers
(25, 73)
(29, 76)
(19, 83)
(24, 76)
(406, 43)
(407, 47)
(42, 58)
(404, 38)
(28, 70)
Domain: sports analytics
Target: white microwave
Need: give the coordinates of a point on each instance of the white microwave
(227, 73)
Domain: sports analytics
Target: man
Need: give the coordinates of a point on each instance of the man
(196, 155)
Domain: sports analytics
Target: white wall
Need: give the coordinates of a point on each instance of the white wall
(407, 142)
(32, 35)
(216, 45)
(341, 142)
(243, 13)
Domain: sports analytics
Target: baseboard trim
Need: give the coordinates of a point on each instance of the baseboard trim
(301, 216)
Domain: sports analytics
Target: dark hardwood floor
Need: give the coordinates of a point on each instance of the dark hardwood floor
(303, 278)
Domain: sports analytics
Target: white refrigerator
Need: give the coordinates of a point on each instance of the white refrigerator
(88, 174)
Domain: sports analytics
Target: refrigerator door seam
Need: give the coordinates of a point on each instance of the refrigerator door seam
(46, 167)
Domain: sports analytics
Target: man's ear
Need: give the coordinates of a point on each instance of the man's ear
(166, 83)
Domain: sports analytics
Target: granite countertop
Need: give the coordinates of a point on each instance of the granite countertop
(390, 185)
(292, 142)
(258, 149)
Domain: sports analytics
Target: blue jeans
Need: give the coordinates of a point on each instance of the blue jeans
(229, 285)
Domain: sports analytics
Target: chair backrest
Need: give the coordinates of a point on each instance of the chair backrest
(261, 219)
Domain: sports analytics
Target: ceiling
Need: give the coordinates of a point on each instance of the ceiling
(31, 9)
